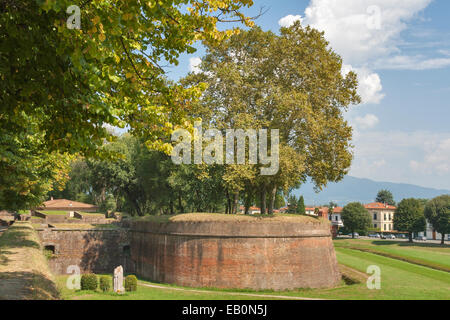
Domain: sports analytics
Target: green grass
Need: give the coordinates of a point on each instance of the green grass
(427, 254)
(54, 212)
(230, 217)
(145, 293)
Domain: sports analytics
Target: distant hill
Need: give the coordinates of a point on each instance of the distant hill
(353, 189)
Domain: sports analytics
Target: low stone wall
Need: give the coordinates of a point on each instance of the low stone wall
(255, 255)
(97, 250)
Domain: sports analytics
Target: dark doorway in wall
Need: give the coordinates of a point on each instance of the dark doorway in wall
(126, 251)
(50, 249)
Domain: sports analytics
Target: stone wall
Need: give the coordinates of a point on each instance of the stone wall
(262, 255)
(98, 251)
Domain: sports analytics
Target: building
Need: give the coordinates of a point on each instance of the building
(382, 216)
(251, 210)
(336, 218)
(431, 234)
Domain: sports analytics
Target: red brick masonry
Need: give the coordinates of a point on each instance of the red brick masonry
(262, 255)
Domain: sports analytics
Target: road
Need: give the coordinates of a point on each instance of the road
(398, 240)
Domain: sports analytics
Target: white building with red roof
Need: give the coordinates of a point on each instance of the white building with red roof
(382, 216)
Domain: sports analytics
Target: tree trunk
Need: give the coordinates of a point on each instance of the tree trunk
(272, 200)
(263, 199)
(235, 203)
(180, 204)
(411, 237)
(443, 238)
(228, 210)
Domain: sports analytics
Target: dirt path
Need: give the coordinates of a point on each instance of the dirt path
(227, 293)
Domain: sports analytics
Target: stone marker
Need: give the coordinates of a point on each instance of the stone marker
(118, 280)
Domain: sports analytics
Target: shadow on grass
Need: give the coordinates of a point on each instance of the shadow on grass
(26, 286)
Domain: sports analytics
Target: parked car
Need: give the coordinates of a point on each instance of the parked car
(402, 236)
(375, 235)
(421, 238)
(390, 236)
(356, 235)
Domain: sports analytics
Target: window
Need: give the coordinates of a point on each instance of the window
(374, 216)
(390, 217)
(375, 225)
(337, 218)
(385, 227)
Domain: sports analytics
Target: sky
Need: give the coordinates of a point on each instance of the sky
(401, 53)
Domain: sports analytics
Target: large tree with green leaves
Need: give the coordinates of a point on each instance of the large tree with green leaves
(437, 212)
(385, 196)
(292, 82)
(68, 85)
(356, 218)
(409, 217)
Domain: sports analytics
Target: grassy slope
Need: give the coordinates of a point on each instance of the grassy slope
(231, 217)
(24, 272)
(426, 254)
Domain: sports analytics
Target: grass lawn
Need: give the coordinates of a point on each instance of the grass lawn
(54, 212)
(427, 254)
(231, 217)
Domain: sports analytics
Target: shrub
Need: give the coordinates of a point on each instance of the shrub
(105, 283)
(88, 281)
(131, 283)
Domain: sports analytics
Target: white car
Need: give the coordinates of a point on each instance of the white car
(390, 236)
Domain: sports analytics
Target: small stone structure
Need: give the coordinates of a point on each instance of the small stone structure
(118, 280)
(95, 250)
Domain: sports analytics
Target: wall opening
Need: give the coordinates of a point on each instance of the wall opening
(50, 249)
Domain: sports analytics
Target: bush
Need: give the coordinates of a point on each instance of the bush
(105, 283)
(130, 283)
(88, 281)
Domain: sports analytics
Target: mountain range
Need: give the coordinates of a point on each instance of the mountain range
(352, 189)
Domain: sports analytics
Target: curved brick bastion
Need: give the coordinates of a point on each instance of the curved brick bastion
(260, 254)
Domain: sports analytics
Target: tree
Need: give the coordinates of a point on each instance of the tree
(437, 212)
(385, 196)
(292, 204)
(64, 87)
(255, 81)
(301, 206)
(356, 218)
(409, 216)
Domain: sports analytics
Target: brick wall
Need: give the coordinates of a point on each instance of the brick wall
(251, 255)
(92, 250)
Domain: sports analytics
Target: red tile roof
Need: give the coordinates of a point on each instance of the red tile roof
(378, 205)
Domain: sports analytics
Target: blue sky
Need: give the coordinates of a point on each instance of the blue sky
(401, 52)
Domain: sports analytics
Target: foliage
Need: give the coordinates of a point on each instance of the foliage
(409, 216)
(255, 81)
(61, 89)
(356, 218)
(385, 196)
(437, 212)
(130, 283)
(301, 206)
(89, 281)
(105, 283)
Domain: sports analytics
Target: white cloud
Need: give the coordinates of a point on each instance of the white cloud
(436, 159)
(420, 157)
(194, 64)
(413, 63)
(369, 84)
(289, 20)
(366, 33)
(363, 30)
(367, 122)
